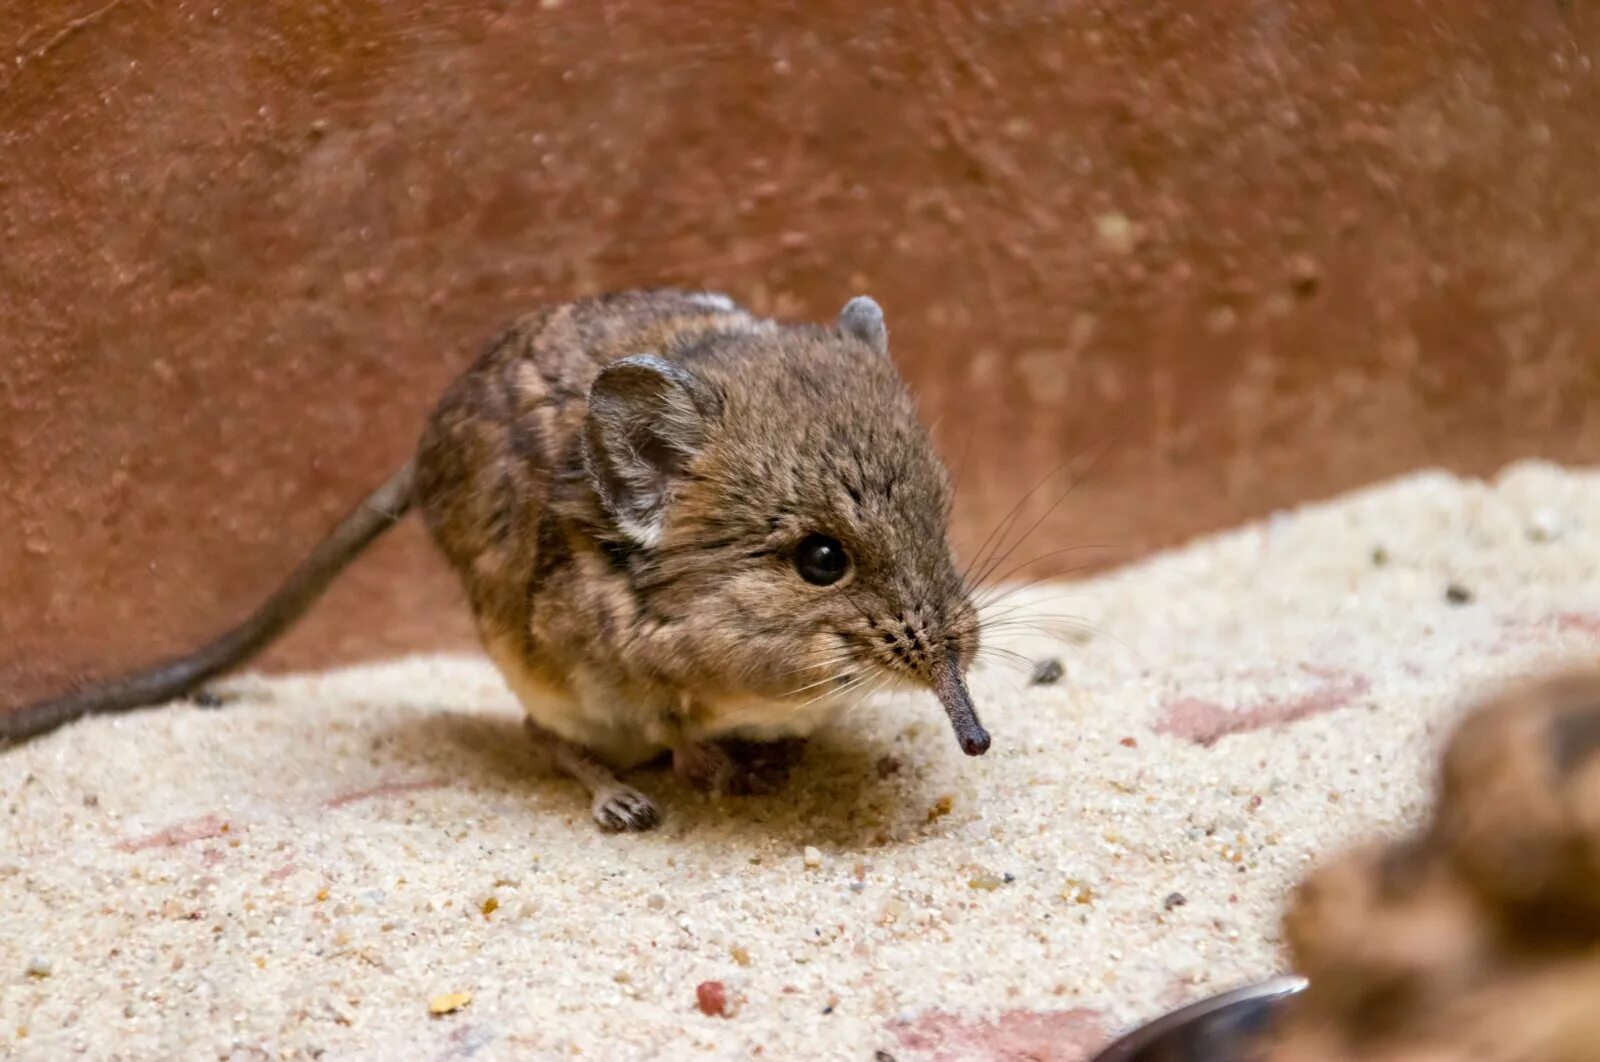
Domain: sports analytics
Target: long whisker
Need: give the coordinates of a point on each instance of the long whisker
(1079, 478)
(1003, 584)
(1050, 625)
(856, 704)
(996, 613)
(809, 686)
(1010, 655)
(1072, 624)
(853, 684)
(1002, 591)
(1003, 526)
(1001, 581)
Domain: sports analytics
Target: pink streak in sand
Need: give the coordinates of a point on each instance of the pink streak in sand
(1015, 1036)
(1207, 722)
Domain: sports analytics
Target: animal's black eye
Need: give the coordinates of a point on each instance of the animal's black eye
(821, 560)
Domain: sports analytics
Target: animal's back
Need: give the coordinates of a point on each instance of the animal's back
(505, 436)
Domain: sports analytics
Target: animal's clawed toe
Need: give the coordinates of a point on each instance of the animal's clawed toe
(625, 809)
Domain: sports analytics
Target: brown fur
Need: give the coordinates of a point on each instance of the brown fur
(622, 483)
(629, 650)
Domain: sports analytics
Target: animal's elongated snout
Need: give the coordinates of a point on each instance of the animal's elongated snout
(951, 689)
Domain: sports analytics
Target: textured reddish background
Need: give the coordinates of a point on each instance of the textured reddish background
(1270, 250)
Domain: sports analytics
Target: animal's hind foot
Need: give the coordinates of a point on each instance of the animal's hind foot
(625, 810)
(616, 807)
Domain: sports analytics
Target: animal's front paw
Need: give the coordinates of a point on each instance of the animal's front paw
(625, 809)
(706, 767)
(762, 767)
(739, 768)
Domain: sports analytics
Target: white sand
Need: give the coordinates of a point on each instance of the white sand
(299, 873)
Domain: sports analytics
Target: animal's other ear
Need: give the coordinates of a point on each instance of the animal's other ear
(863, 319)
(647, 418)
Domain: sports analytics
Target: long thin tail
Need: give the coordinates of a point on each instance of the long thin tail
(167, 681)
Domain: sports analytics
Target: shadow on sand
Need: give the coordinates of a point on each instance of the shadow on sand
(847, 792)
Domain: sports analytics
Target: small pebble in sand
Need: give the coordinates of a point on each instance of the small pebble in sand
(1047, 672)
(1544, 526)
(1380, 557)
(39, 966)
(941, 808)
(985, 881)
(1457, 594)
(882, 1056)
(1129, 743)
(656, 901)
(489, 906)
(448, 1003)
(888, 765)
(740, 954)
(712, 999)
(1174, 900)
(811, 857)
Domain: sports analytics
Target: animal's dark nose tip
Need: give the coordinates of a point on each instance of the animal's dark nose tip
(975, 742)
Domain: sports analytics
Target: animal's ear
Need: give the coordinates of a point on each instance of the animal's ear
(863, 319)
(647, 419)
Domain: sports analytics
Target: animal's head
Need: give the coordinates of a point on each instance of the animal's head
(786, 515)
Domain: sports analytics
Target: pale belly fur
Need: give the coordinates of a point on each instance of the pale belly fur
(625, 733)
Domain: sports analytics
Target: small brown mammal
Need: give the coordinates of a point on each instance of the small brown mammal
(1476, 938)
(682, 529)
